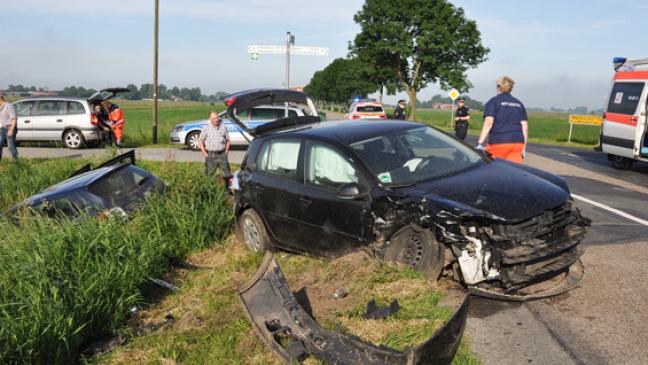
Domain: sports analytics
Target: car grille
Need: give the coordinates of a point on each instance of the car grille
(540, 246)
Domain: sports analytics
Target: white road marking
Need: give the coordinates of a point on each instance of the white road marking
(569, 154)
(610, 209)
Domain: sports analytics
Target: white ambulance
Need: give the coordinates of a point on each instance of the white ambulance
(623, 134)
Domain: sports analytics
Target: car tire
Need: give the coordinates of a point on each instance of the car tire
(253, 232)
(621, 163)
(73, 139)
(192, 140)
(416, 248)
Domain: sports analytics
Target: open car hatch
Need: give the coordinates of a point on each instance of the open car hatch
(293, 335)
(106, 94)
(246, 100)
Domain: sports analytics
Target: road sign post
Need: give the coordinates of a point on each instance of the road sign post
(155, 74)
(453, 94)
(254, 50)
(575, 119)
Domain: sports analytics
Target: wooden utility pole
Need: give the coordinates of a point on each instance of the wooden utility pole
(155, 74)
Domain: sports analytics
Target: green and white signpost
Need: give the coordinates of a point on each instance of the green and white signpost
(254, 50)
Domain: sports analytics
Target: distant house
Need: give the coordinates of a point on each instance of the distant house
(176, 98)
(442, 106)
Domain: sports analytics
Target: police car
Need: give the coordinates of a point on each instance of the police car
(187, 133)
(623, 134)
(366, 109)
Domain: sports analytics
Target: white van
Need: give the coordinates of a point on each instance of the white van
(623, 134)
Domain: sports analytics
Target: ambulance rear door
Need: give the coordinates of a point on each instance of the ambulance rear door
(621, 135)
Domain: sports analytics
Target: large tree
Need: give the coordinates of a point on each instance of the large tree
(420, 41)
(342, 80)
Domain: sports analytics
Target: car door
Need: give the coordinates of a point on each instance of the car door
(77, 116)
(24, 112)
(330, 224)
(277, 185)
(49, 121)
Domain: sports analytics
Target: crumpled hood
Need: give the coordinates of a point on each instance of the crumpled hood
(495, 190)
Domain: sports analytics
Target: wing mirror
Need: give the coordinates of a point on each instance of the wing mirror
(351, 191)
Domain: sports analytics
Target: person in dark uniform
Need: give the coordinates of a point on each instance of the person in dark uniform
(103, 123)
(399, 112)
(505, 124)
(462, 120)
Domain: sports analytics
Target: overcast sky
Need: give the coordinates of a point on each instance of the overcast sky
(558, 52)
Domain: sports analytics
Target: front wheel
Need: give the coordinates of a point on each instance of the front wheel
(73, 139)
(192, 140)
(254, 232)
(417, 248)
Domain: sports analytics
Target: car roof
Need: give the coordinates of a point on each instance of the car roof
(349, 131)
(57, 98)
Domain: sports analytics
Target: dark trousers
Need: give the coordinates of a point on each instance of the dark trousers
(215, 159)
(11, 142)
(461, 130)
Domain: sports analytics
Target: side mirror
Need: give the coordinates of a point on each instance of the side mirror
(351, 191)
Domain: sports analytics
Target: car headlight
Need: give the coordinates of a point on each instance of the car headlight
(178, 128)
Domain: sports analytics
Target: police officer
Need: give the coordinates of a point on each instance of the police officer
(399, 112)
(505, 124)
(462, 120)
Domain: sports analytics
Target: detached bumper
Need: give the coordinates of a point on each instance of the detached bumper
(293, 335)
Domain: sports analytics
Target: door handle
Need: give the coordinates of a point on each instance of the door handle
(27, 121)
(305, 201)
(59, 121)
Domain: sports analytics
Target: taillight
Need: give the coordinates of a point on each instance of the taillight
(93, 119)
(383, 116)
(229, 102)
(356, 117)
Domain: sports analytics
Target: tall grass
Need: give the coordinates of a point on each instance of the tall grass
(64, 283)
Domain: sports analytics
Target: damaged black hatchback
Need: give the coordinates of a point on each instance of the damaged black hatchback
(414, 196)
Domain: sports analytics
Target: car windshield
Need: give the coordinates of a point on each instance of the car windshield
(120, 186)
(415, 155)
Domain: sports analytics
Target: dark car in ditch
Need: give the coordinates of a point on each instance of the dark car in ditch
(414, 195)
(114, 188)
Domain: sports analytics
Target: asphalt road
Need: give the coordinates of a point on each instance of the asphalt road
(601, 322)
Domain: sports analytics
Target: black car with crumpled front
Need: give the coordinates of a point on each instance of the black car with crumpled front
(412, 194)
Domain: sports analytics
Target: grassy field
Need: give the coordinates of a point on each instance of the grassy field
(139, 114)
(64, 284)
(548, 128)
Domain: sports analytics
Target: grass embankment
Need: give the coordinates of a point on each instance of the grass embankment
(212, 328)
(547, 128)
(65, 283)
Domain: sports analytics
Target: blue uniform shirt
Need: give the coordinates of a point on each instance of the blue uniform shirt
(508, 113)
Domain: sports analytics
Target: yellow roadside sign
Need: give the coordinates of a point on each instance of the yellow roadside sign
(585, 119)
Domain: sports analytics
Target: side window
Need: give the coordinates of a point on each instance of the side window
(328, 168)
(279, 158)
(24, 108)
(262, 114)
(51, 107)
(74, 107)
(281, 113)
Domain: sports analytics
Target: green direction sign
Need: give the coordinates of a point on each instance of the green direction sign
(254, 56)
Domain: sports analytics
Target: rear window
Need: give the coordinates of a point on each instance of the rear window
(74, 107)
(625, 97)
(369, 109)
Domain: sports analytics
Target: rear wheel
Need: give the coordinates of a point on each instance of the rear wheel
(621, 163)
(254, 232)
(192, 140)
(73, 139)
(417, 248)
